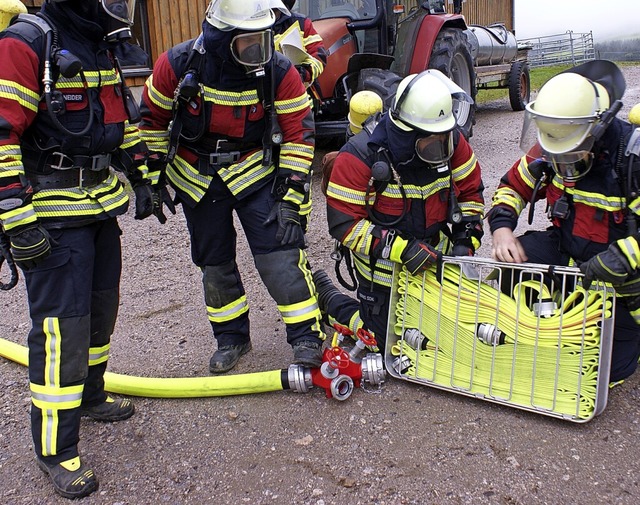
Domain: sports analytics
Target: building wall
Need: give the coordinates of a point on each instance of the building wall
(173, 21)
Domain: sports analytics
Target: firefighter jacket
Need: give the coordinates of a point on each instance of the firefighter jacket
(47, 175)
(360, 209)
(222, 143)
(591, 213)
(311, 41)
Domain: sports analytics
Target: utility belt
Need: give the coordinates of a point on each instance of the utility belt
(222, 155)
(61, 171)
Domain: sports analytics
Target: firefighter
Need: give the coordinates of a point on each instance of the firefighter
(404, 193)
(576, 157)
(245, 144)
(316, 58)
(62, 128)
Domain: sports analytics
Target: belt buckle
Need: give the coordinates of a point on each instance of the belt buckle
(100, 162)
(63, 157)
(221, 159)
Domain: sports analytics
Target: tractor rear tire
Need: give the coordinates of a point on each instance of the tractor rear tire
(519, 85)
(451, 55)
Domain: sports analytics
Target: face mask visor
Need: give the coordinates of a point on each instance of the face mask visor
(436, 148)
(253, 50)
(570, 166)
(120, 10)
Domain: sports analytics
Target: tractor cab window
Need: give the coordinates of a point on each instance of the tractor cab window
(325, 9)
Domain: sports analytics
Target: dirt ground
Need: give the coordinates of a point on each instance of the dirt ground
(410, 444)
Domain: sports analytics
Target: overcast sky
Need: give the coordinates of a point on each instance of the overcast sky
(605, 18)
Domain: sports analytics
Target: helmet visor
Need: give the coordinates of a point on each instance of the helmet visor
(253, 49)
(570, 166)
(556, 134)
(122, 10)
(436, 148)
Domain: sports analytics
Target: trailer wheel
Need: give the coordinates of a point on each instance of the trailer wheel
(451, 55)
(519, 85)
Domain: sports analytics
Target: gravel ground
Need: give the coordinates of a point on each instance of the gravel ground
(408, 445)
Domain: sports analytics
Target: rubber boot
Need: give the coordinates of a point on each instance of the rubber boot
(110, 410)
(71, 478)
(227, 356)
(326, 290)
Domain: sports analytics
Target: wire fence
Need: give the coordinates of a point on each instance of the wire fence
(563, 49)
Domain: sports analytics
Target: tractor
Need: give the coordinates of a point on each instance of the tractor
(372, 44)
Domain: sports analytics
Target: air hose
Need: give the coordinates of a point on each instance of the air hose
(550, 363)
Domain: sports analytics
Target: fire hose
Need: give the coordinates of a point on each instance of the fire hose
(300, 379)
(486, 356)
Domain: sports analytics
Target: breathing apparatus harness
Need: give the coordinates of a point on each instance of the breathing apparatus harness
(190, 85)
(57, 61)
(383, 172)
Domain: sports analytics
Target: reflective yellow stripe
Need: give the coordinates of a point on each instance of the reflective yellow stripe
(300, 312)
(349, 195)
(229, 312)
(18, 217)
(11, 90)
(508, 196)
(230, 98)
(360, 238)
(157, 98)
(56, 398)
(98, 355)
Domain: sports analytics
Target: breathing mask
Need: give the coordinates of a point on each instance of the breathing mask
(116, 18)
(253, 50)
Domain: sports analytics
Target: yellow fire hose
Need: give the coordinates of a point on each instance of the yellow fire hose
(189, 387)
(552, 364)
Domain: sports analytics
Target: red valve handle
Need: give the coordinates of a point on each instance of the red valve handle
(337, 358)
(343, 330)
(366, 337)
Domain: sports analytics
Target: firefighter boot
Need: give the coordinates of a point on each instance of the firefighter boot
(71, 478)
(307, 353)
(325, 289)
(110, 410)
(227, 356)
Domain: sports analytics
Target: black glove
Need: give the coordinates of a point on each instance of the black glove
(418, 256)
(144, 200)
(161, 197)
(30, 246)
(289, 227)
(611, 265)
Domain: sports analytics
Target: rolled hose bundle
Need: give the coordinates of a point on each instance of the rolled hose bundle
(551, 364)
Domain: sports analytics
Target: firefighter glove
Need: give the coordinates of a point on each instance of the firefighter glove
(144, 200)
(30, 246)
(288, 218)
(613, 265)
(162, 197)
(416, 255)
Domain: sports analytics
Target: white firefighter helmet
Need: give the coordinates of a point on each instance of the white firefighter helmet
(566, 110)
(424, 102)
(250, 15)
